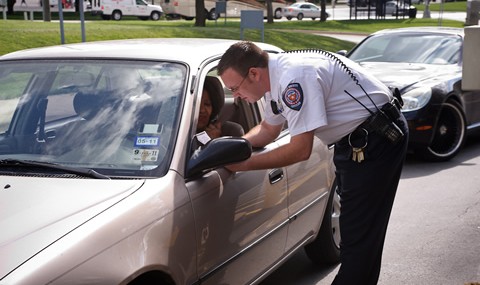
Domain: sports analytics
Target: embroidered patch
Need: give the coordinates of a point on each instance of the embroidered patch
(293, 96)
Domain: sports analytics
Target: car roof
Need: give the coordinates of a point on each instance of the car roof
(190, 50)
(301, 3)
(422, 30)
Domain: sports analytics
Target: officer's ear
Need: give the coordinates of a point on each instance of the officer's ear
(254, 72)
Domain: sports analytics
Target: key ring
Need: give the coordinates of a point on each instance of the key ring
(366, 138)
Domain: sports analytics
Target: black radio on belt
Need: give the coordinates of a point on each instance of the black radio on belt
(383, 123)
(391, 110)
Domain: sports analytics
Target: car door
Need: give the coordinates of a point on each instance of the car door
(240, 224)
(141, 9)
(309, 185)
(241, 221)
(310, 11)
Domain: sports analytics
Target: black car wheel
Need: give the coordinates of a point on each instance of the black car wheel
(300, 16)
(325, 249)
(449, 134)
(155, 16)
(278, 13)
(117, 15)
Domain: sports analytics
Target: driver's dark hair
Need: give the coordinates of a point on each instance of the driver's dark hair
(242, 56)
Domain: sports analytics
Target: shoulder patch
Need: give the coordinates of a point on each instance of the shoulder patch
(293, 96)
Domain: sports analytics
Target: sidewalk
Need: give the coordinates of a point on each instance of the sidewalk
(351, 37)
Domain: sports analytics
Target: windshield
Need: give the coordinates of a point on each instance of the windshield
(409, 48)
(115, 117)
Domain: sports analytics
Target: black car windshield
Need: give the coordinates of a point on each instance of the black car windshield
(409, 48)
(118, 118)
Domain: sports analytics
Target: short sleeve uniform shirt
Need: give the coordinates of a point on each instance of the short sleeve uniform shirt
(309, 90)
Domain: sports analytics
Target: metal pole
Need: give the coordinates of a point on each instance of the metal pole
(60, 16)
(82, 19)
(440, 13)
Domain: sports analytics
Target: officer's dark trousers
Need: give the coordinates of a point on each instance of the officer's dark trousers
(367, 191)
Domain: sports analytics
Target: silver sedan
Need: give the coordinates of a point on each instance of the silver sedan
(301, 10)
(106, 181)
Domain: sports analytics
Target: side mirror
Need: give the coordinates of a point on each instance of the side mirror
(342, 52)
(218, 152)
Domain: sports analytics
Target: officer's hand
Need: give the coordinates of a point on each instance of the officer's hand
(241, 166)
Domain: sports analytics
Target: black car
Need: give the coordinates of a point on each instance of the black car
(425, 64)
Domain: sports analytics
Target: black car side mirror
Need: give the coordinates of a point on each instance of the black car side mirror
(218, 152)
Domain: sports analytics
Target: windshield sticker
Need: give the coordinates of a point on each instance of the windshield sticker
(150, 128)
(145, 154)
(147, 141)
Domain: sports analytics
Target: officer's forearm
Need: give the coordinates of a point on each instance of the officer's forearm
(299, 149)
(263, 134)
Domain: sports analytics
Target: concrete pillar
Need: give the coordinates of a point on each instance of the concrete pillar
(473, 8)
(471, 60)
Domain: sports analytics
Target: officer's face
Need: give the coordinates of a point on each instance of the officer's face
(243, 87)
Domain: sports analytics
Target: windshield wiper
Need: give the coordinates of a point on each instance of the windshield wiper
(80, 171)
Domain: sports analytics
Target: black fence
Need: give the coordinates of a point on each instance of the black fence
(380, 9)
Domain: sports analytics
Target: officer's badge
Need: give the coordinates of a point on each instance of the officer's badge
(293, 96)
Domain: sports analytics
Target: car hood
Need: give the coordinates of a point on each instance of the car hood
(36, 212)
(402, 75)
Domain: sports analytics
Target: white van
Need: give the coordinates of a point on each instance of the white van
(116, 9)
(186, 8)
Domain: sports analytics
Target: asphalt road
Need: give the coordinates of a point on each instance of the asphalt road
(434, 232)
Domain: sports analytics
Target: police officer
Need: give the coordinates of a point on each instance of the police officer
(328, 96)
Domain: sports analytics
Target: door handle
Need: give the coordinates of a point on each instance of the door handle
(275, 175)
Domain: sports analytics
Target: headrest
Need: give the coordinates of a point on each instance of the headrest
(215, 89)
(86, 105)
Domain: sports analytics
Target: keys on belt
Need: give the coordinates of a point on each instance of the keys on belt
(358, 140)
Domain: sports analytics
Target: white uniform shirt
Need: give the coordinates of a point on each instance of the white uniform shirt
(308, 89)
